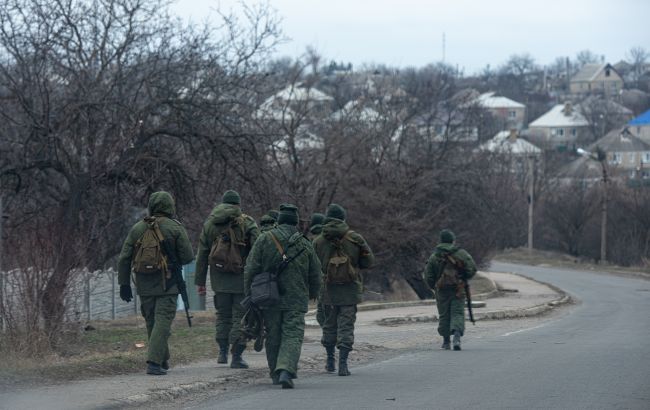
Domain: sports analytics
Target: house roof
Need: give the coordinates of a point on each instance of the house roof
(298, 93)
(489, 100)
(503, 144)
(589, 72)
(561, 115)
(597, 104)
(643, 119)
(357, 109)
(620, 140)
(583, 167)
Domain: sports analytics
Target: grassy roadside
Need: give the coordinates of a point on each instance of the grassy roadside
(111, 348)
(556, 259)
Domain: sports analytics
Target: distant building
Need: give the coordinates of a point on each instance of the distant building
(596, 79)
(626, 157)
(510, 114)
(509, 142)
(560, 128)
(295, 101)
(640, 126)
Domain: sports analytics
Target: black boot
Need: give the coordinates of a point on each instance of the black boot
(456, 340)
(329, 364)
(237, 361)
(155, 369)
(165, 365)
(285, 379)
(446, 343)
(223, 351)
(343, 361)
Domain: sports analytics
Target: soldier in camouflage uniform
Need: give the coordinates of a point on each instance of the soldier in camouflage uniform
(315, 225)
(269, 221)
(339, 300)
(445, 270)
(158, 307)
(298, 282)
(228, 287)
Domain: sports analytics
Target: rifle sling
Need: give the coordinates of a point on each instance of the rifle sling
(285, 259)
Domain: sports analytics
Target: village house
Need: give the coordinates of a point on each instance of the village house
(560, 128)
(509, 113)
(596, 79)
(626, 158)
(509, 144)
(640, 126)
(296, 101)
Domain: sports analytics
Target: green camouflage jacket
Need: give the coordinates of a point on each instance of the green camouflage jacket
(360, 255)
(434, 266)
(300, 280)
(161, 205)
(217, 222)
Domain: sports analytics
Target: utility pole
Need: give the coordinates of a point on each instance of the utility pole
(601, 157)
(2, 275)
(603, 222)
(444, 46)
(531, 199)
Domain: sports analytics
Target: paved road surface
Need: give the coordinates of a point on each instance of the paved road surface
(595, 357)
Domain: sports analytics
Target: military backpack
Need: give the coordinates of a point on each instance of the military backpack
(149, 257)
(226, 253)
(451, 268)
(339, 269)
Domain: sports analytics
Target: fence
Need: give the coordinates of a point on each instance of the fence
(96, 295)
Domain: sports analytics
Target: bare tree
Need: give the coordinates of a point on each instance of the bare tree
(587, 57)
(107, 101)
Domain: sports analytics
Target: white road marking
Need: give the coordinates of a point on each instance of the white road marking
(523, 330)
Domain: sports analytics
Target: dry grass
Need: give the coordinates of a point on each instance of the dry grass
(556, 259)
(109, 349)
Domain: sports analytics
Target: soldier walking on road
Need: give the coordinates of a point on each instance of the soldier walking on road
(343, 253)
(298, 282)
(447, 269)
(226, 239)
(141, 254)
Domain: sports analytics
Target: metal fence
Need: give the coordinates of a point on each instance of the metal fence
(94, 295)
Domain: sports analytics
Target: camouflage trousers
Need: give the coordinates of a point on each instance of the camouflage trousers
(229, 315)
(338, 325)
(158, 313)
(285, 332)
(451, 312)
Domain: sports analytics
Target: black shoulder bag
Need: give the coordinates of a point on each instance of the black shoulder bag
(265, 291)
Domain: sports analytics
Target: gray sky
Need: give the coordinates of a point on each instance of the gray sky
(478, 32)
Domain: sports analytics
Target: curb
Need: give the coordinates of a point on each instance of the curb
(536, 310)
(178, 391)
(389, 305)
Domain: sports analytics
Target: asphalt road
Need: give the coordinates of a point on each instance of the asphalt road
(595, 357)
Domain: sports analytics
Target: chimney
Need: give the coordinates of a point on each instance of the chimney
(512, 137)
(568, 108)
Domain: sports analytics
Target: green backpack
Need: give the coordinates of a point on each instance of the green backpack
(340, 270)
(451, 268)
(149, 257)
(226, 252)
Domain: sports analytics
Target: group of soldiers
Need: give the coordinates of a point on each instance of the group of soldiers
(323, 265)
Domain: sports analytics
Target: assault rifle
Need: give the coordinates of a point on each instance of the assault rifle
(176, 277)
(468, 296)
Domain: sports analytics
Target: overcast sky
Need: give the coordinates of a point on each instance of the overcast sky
(478, 32)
